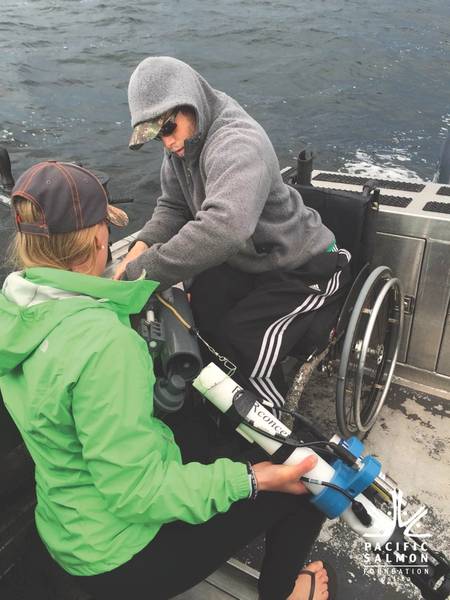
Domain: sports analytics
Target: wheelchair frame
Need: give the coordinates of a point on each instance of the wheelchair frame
(363, 346)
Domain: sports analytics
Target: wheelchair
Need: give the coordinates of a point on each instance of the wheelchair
(361, 345)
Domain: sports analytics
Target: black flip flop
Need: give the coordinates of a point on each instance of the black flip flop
(332, 581)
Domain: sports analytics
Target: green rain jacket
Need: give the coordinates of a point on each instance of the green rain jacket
(77, 380)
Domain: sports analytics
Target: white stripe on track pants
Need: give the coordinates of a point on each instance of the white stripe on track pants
(256, 320)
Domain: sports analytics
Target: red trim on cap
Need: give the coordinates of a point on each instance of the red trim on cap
(27, 196)
(93, 176)
(74, 192)
(96, 179)
(33, 170)
(21, 193)
(35, 229)
(31, 174)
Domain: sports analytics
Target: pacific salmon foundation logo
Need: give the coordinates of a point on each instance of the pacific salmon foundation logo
(409, 556)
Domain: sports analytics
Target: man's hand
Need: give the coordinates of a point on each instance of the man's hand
(283, 478)
(135, 251)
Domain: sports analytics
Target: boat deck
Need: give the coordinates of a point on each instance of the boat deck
(233, 580)
(411, 438)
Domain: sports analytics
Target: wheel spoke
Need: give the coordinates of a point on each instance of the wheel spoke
(368, 352)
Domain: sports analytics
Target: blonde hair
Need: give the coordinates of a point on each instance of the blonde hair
(59, 251)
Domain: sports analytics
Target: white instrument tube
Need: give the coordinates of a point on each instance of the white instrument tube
(220, 389)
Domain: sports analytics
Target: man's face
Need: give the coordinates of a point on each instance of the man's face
(184, 130)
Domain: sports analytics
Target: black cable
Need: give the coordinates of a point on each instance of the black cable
(358, 508)
(290, 441)
(337, 451)
(328, 484)
(303, 420)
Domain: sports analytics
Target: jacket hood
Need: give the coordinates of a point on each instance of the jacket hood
(33, 302)
(159, 83)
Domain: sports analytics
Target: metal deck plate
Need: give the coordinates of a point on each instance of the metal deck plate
(354, 180)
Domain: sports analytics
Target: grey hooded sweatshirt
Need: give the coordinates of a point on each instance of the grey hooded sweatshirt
(225, 200)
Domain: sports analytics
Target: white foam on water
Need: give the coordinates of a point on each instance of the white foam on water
(5, 134)
(381, 166)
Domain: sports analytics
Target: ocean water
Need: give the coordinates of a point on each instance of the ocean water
(364, 85)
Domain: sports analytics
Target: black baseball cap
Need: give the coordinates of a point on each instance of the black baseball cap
(67, 196)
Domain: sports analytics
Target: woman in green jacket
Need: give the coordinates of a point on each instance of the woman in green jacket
(115, 503)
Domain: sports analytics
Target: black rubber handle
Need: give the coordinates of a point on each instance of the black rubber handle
(6, 178)
(304, 167)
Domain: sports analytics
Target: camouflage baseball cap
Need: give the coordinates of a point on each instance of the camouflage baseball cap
(146, 131)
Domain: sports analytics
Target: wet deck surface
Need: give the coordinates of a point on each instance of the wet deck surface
(412, 440)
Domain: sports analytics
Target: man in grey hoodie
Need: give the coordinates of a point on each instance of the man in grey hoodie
(262, 263)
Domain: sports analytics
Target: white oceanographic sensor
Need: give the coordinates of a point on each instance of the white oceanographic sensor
(221, 390)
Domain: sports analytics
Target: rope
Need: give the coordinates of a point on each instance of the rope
(230, 366)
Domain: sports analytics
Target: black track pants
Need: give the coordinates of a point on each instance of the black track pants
(182, 555)
(258, 320)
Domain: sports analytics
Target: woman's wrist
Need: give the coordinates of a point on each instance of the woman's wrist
(253, 482)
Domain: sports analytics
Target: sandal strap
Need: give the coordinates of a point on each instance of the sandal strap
(313, 582)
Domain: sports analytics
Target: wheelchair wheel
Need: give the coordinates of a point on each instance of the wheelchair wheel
(369, 353)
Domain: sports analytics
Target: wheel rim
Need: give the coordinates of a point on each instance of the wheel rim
(378, 355)
(363, 384)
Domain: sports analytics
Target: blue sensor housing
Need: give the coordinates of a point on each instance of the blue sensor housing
(334, 503)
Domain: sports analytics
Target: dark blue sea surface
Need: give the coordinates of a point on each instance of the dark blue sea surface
(363, 84)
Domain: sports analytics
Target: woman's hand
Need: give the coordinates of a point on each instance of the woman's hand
(283, 478)
(135, 251)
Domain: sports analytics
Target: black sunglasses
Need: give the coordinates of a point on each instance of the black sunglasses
(169, 126)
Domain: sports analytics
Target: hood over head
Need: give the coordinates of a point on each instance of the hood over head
(160, 83)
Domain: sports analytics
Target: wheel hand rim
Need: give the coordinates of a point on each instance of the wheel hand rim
(362, 358)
